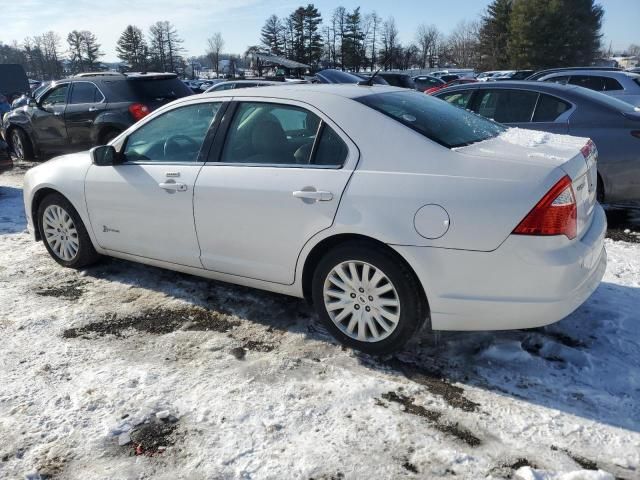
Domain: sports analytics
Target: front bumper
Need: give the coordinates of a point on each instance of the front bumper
(527, 282)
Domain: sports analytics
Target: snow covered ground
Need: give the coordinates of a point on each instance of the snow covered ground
(124, 371)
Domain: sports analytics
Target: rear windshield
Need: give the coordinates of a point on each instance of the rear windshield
(434, 118)
(607, 100)
(161, 89)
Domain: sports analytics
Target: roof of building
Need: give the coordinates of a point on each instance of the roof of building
(282, 61)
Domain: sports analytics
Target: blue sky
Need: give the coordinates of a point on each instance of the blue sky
(240, 21)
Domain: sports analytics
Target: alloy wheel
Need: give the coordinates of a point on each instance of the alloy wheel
(60, 232)
(361, 301)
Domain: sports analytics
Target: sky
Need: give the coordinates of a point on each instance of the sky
(240, 21)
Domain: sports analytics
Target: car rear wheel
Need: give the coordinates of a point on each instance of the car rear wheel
(368, 298)
(64, 235)
(21, 145)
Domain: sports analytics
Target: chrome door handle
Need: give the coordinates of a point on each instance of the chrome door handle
(93, 109)
(317, 195)
(173, 186)
(57, 114)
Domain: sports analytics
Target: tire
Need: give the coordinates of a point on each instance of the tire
(21, 145)
(60, 225)
(109, 135)
(394, 284)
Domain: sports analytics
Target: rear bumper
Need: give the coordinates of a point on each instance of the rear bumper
(527, 282)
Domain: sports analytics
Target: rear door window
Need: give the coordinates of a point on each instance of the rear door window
(271, 134)
(85, 92)
(506, 106)
(550, 108)
(588, 81)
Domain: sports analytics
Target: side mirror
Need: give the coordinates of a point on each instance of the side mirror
(104, 155)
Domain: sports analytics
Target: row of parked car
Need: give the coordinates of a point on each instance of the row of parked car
(598, 103)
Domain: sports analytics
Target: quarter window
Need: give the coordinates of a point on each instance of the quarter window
(611, 84)
(175, 136)
(587, 81)
(507, 106)
(561, 80)
(550, 108)
(85, 92)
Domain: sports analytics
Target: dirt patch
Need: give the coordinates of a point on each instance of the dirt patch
(158, 321)
(69, 290)
(622, 226)
(434, 417)
(51, 468)
(436, 384)
(410, 467)
(152, 438)
(506, 469)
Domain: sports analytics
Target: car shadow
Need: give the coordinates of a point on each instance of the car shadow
(585, 365)
(12, 218)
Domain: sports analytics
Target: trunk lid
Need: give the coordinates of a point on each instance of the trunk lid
(576, 156)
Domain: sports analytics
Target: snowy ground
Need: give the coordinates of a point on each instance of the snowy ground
(205, 380)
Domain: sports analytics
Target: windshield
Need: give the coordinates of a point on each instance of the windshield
(435, 119)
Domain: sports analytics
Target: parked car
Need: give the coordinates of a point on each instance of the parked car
(424, 82)
(459, 81)
(235, 84)
(541, 73)
(634, 70)
(449, 77)
(613, 125)
(401, 80)
(77, 113)
(485, 76)
(511, 75)
(377, 80)
(469, 228)
(331, 75)
(622, 85)
(13, 81)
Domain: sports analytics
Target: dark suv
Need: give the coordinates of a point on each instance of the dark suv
(86, 110)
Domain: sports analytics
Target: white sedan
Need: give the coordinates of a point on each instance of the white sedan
(387, 209)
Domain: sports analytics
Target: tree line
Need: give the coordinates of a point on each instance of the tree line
(510, 34)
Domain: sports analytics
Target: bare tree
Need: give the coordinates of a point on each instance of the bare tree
(463, 44)
(427, 38)
(390, 43)
(215, 44)
(375, 22)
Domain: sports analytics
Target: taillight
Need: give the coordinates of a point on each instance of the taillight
(635, 133)
(138, 111)
(588, 149)
(555, 214)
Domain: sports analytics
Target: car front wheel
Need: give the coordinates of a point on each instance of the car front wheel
(21, 145)
(64, 235)
(367, 298)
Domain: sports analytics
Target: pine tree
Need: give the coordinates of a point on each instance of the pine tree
(559, 33)
(494, 35)
(91, 50)
(313, 41)
(353, 56)
(272, 35)
(132, 48)
(165, 47)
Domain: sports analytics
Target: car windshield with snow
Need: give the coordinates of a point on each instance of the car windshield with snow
(386, 209)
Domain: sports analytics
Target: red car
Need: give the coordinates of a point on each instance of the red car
(459, 81)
